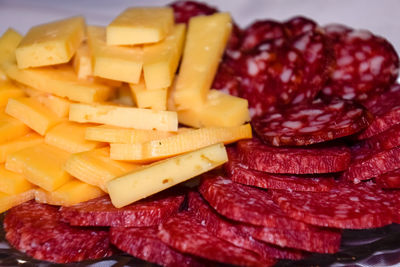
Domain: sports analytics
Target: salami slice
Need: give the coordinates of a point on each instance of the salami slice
(386, 109)
(245, 204)
(389, 180)
(101, 212)
(346, 206)
(385, 140)
(144, 244)
(299, 160)
(369, 163)
(239, 172)
(364, 63)
(299, 25)
(184, 10)
(261, 31)
(36, 230)
(312, 123)
(231, 232)
(184, 233)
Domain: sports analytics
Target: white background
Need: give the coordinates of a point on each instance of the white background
(380, 16)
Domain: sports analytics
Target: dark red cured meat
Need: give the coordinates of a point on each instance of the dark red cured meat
(143, 243)
(261, 31)
(389, 180)
(185, 10)
(335, 31)
(346, 206)
(239, 172)
(101, 212)
(299, 25)
(370, 163)
(308, 124)
(298, 160)
(245, 204)
(364, 63)
(184, 233)
(231, 232)
(386, 109)
(36, 230)
(385, 140)
(226, 80)
(282, 74)
(320, 240)
(263, 219)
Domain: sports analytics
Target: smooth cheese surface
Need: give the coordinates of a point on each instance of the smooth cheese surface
(20, 143)
(13, 183)
(161, 175)
(59, 80)
(155, 99)
(9, 90)
(113, 62)
(113, 134)
(96, 168)
(220, 109)
(51, 43)
(182, 142)
(127, 117)
(58, 105)
(206, 39)
(161, 59)
(42, 165)
(8, 43)
(71, 193)
(70, 136)
(8, 201)
(140, 25)
(11, 128)
(33, 114)
(82, 61)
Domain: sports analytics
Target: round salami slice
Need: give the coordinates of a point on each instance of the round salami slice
(369, 163)
(186, 234)
(144, 244)
(239, 172)
(298, 160)
(389, 180)
(101, 212)
(299, 25)
(386, 109)
(245, 204)
(364, 63)
(185, 10)
(36, 230)
(261, 31)
(346, 206)
(385, 140)
(231, 232)
(312, 123)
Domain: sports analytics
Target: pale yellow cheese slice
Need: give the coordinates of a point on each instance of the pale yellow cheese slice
(161, 175)
(13, 183)
(20, 143)
(8, 201)
(155, 99)
(51, 43)
(139, 25)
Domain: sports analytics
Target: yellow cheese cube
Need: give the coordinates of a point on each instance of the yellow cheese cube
(114, 62)
(9, 90)
(59, 105)
(161, 175)
(3, 76)
(70, 136)
(41, 165)
(154, 99)
(32, 113)
(161, 59)
(11, 128)
(140, 25)
(205, 43)
(20, 143)
(8, 201)
(96, 168)
(13, 183)
(127, 117)
(112, 134)
(82, 61)
(60, 81)
(51, 43)
(71, 193)
(220, 109)
(180, 143)
(8, 43)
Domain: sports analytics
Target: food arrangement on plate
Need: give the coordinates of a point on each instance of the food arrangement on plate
(177, 137)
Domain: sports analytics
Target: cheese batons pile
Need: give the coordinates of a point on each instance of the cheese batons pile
(90, 110)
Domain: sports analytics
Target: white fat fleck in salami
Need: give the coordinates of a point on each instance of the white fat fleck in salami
(312, 123)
